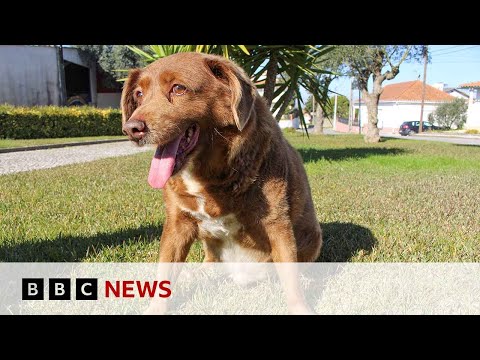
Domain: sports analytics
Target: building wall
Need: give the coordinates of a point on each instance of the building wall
(473, 116)
(343, 128)
(28, 75)
(440, 86)
(392, 114)
(474, 94)
(108, 100)
(73, 55)
(458, 95)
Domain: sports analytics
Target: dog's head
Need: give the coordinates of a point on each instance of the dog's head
(179, 99)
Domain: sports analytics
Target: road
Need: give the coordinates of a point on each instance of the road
(460, 140)
(44, 159)
(452, 140)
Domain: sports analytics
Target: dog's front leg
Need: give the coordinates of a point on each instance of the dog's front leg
(284, 255)
(179, 233)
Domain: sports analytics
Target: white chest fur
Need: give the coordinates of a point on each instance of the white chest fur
(224, 228)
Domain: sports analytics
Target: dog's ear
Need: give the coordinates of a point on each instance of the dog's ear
(128, 102)
(242, 90)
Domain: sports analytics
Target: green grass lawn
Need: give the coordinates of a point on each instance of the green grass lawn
(399, 200)
(11, 143)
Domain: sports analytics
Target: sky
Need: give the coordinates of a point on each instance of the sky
(450, 64)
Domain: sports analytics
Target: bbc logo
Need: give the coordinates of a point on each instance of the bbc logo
(59, 289)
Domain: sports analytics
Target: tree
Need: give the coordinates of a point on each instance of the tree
(309, 104)
(334, 67)
(343, 105)
(285, 68)
(375, 63)
(451, 113)
(111, 60)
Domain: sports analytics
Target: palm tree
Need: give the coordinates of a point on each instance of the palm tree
(285, 68)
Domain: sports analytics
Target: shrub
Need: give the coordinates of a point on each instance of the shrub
(450, 113)
(472, 131)
(58, 122)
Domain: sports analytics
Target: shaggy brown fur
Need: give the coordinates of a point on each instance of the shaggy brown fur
(243, 187)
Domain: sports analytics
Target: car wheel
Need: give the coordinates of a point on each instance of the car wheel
(76, 101)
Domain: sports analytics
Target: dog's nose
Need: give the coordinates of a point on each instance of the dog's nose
(134, 129)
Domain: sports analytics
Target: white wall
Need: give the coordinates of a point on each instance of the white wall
(108, 100)
(473, 116)
(439, 86)
(457, 95)
(393, 114)
(28, 75)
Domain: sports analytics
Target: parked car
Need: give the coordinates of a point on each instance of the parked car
(411, 127)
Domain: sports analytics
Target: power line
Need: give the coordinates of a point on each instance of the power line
(445, 49)
(463, 57)
(448, 50)
(455, 51)
(454, 61)
(464, 61)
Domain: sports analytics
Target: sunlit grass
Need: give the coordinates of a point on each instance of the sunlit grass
(11, 143)
(398, 200)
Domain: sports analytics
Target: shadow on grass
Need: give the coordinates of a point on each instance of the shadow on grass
(468, 145)
(312, 154)
(72, 248)
(342, 241)
(385, 139)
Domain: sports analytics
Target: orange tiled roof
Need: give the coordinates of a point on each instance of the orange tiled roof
(412, 91)
(475, 84)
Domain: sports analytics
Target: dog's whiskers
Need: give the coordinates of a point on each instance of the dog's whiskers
(218, 132)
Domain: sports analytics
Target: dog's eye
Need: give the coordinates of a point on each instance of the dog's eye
(178, 89)
(138, 93)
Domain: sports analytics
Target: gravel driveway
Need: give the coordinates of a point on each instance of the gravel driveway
(43, 159)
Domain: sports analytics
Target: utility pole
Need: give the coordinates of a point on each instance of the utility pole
(314, 121)
(425, 60)
(359, 111)
(352, 109)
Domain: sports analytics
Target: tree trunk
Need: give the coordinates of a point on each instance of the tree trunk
(318, 127)
(373, 134)
(372, 99)
(270, 81)
(289, 96)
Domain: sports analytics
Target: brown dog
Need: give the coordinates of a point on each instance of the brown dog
(229, 176)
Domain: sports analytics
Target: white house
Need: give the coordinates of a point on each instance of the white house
(402, 102)
(456, 93)
(451, 90)
(473, 113)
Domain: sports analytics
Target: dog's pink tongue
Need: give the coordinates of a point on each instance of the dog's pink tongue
(162, 164)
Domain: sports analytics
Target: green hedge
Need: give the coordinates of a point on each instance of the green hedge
(58, 122)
